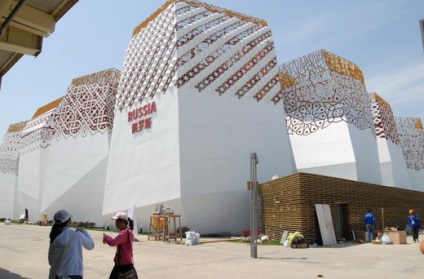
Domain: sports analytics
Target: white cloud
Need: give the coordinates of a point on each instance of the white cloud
(403, 89)
(314, 27)
(392, 84)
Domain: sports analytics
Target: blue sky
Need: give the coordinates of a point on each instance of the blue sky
(382, 37)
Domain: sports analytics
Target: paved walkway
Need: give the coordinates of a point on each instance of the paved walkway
(23, 254)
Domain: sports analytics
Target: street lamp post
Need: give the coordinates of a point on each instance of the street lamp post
(422, 30)
(253, 218)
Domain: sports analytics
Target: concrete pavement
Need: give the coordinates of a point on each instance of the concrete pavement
(23, 254)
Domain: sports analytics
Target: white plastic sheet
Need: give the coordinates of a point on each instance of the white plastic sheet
(192, 238)
(385, 239)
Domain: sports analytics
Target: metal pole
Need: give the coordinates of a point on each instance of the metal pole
(253, 218)
(382, 220)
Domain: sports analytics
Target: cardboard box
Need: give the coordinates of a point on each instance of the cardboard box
(397, 237)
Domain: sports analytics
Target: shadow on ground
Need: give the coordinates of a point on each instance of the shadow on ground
(9, 275)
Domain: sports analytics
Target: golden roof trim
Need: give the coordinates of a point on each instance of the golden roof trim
(198, 4)
(17, 127)
(287, 80)
(47, 107)
(380, 99)
(418, 124)
(152, 17)
(109, 75)
(229, 13)
(342, 66)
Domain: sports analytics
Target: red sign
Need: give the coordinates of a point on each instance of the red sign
(138, 116)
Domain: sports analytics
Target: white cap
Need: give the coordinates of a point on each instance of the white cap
(61, 216)
(120, 215)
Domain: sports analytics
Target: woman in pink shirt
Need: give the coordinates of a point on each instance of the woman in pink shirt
(123, 241)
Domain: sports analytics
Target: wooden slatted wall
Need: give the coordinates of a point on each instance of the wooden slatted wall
(288, 203)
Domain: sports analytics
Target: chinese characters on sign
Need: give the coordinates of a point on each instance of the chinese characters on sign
(141, 117)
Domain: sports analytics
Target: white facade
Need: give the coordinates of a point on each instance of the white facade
(392, 162)
(73, 168)
(9, 162)
(64, 150)
(29, 186)
(200, 91)
(329, 118)
(411, 135)
(208, 103)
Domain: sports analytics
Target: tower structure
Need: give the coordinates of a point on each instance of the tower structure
(9, 163)
(392, 162)
(33, 138)
(198, 93)
(329, 117)
(411, 135)
(73, 169)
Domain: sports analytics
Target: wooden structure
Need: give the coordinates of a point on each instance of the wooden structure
(288, 204)
(164, 227)
(157, 226)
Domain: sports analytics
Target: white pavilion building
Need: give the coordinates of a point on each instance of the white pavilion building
(392, 161)
(9, 166)
(329, 117)
(411, 135)
(196, 97)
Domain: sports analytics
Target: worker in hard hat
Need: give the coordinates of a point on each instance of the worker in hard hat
(414, 223)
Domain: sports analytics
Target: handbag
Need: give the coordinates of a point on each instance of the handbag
(408, 229)
(130, 274)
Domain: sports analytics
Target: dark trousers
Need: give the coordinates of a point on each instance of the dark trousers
(120, 269)
(415, 231)
(73, 277)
